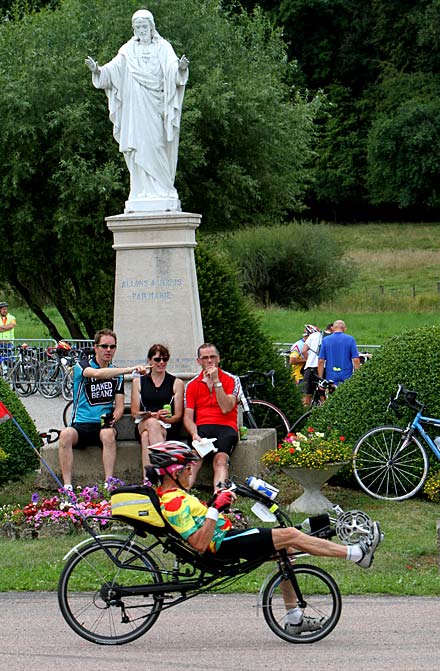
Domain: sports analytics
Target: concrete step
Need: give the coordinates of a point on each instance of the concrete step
(87, 466)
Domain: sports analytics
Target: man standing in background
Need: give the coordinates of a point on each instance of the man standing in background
(7, 323)
(311, 352)
(339, 354)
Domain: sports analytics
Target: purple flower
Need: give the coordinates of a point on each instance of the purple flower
(35, 497)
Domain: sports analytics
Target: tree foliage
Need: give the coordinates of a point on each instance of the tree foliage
(244, 152)
(358, 53)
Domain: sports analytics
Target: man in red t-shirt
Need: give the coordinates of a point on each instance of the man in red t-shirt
(211, 409)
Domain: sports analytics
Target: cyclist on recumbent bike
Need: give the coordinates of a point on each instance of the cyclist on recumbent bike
(207, 530)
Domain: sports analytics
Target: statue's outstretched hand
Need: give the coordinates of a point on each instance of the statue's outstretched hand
(183, 63)
(91, 64)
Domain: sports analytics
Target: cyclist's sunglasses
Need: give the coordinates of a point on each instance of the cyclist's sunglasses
(161, 358)
(105, 346)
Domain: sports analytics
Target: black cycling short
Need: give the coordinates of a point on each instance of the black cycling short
(88, 434)
(246, 544)
(310, 380)
(227, 438)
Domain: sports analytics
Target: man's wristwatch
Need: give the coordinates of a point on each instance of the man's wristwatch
(218, 384)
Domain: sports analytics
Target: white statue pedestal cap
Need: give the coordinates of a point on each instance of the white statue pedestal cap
(156, 292)
(152, 204)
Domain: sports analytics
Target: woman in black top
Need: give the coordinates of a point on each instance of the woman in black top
(149, 394)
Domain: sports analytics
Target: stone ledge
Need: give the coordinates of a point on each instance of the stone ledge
(87, 466)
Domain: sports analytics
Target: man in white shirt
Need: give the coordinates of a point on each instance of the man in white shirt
(310, 352)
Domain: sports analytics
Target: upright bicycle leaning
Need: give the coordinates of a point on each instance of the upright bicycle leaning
(114, 586)
(258, 413)
(392, 463)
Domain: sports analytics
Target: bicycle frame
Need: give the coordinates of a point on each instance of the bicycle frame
(417, 426)
(212, 573)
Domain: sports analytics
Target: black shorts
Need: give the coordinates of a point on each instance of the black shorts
(310, 380)
(246, 544)
(89, 433)
(227, 437)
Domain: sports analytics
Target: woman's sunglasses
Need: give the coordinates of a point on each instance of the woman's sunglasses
(156, 359)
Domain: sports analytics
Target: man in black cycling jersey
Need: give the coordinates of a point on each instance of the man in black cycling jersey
(98, 402)
(207, 530)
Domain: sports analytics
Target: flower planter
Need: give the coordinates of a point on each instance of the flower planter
(312, 500)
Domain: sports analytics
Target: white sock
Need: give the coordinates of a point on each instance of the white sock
(68, 487)
(354, 552)
(294, 615)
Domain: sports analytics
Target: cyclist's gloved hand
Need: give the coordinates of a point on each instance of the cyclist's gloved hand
(222, 500)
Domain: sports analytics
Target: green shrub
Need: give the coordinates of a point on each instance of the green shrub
(16, 455)
(432, 486)
(411, 358)
(232, 325)
(298, 265)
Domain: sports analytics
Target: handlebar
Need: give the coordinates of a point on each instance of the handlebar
(50, 436)
(405, 397)
(248, 377)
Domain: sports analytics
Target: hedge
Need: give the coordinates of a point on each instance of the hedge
(16, 455)
(412, 359)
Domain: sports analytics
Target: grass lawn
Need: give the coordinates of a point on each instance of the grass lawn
(369, 328)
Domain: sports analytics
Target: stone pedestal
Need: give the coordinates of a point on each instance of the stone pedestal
(156, 293)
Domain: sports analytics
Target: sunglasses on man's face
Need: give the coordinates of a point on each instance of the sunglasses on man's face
(105, 346)
(157, 359)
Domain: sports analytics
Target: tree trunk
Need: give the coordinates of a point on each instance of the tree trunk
(25, 293)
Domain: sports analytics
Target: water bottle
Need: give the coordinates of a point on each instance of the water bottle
(437, 442)
(243, 432)
(106, 420)
(263, 487)
(305, 526)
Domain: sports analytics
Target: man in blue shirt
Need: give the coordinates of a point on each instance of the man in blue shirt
(338, 354)
(98, 402)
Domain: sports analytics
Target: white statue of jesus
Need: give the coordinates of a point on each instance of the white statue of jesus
(145, 84)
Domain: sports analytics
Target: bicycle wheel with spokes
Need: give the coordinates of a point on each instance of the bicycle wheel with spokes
(322, 604)
(268, 416)
(389, 466)
(94, 592)
(51, 379)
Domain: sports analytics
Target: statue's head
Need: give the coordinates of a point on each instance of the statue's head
(143, 25)
(142, 14)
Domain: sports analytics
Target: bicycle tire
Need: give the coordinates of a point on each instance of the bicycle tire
(67, 413)
(25, 379)
(267, 416)
(51, 378)
(89, 593)
(385, 473)
(67, 384)
(322, 597)
(301, 422)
